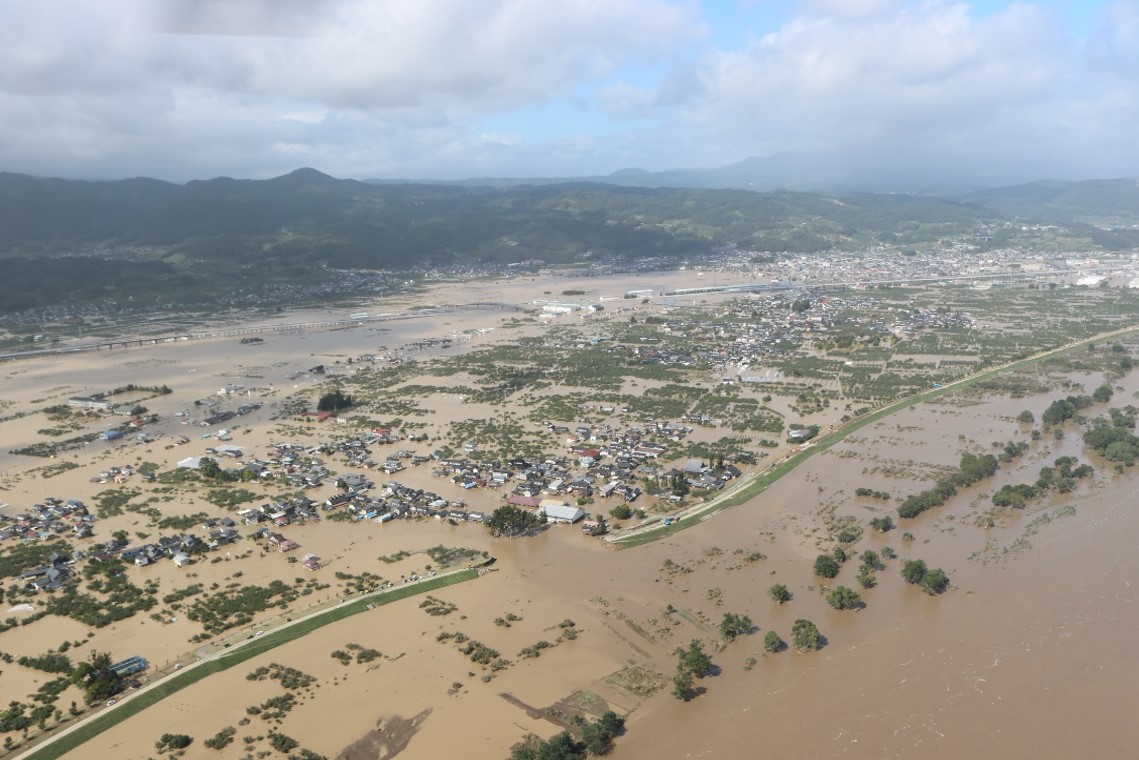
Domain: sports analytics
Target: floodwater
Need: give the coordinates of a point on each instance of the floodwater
(1027, 655)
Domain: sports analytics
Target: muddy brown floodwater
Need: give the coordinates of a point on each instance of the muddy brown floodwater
(1029, 654)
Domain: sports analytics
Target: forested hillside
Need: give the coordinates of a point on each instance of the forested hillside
(78, 241)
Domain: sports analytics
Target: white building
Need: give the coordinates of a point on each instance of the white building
(561, 308)
(559, 512)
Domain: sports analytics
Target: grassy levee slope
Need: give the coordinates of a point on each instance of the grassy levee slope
(777, 471)
(246, 652)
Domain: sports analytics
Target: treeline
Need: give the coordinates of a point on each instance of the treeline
(972, 469)
(1064, 409)
(1061, 477)
(509, 520)
(596, 739)
(1115, 442)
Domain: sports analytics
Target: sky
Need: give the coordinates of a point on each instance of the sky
(447, 89)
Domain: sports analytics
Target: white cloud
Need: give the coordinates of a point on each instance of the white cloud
(196, 88)
(929, 80)
(849, 8)
(179, 86)
(1113, 46)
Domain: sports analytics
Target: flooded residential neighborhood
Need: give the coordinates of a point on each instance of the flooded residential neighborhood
(1036, 601)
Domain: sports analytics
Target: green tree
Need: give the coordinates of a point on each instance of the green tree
(560, 747)
(1103, 393)
(734, 626)
(96, 678)
(282, 743)
(682, 685)
(779, 593)
(598, 736)
(826, 566)
(935, 581)
(806, 635)
(611, 722)
(913, 570)
(679, 484)
(209, 468)
(772, 642)
(221, 739)
(509, 520)
(843, 598)
(882, 524)
(1026, 417)
(695, 660)
(621, 512)
(173, 742)
(334, 401)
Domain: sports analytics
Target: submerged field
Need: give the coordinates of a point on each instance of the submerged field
(562, 626)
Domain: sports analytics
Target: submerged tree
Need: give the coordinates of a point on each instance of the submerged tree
(334, 401)
(734, 626)
(682, 685)
(772, 642)
(826, 566)
(695, 660)
(779, 593)
(843, 598)
(935, 581)
(509, 520)
(806, 635)
(913, 570)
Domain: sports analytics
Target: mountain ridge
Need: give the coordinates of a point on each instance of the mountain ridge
(236, 235)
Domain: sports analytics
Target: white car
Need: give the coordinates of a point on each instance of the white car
(111, 702)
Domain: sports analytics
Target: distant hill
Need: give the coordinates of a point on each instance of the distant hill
(1111, 202)
(786, 171)
(819, 172)
(71, 241)
(310, 215)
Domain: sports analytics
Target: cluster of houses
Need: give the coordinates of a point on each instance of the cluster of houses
(756, 330)
(180, 549)
(177, 548)
(119, 475)
(282, 512)
(51, 576)
(395, 500)
(49, 518)
(600, 461)
(916, 320)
